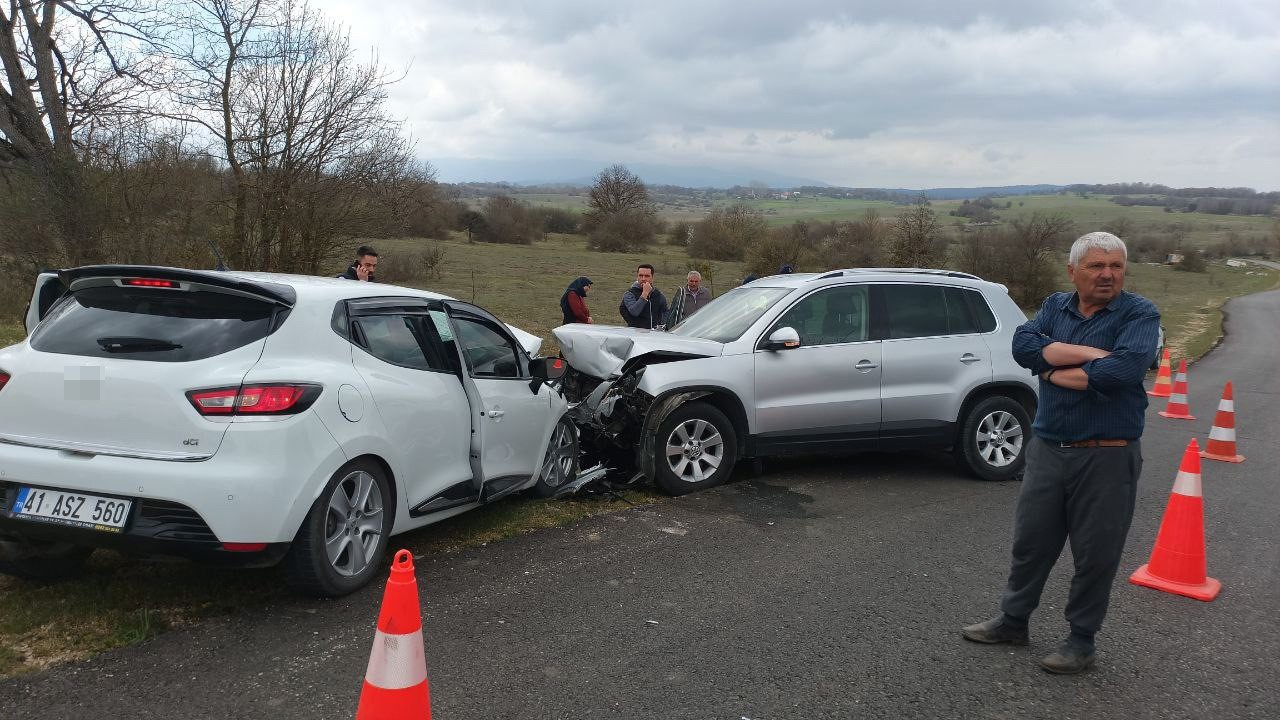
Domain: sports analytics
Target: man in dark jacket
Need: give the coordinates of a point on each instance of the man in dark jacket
(362, 269)
(643, 305)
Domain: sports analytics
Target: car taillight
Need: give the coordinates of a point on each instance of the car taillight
(4, 379)
(264, 399)
(149, 282)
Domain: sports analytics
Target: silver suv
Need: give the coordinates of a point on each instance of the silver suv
(858, 359)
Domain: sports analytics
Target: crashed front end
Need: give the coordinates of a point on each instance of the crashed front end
(604, 386)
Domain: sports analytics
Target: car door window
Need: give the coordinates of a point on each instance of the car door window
(489, 352)
(830, 316)
(979, 317)
(397, 340)
(916, 311)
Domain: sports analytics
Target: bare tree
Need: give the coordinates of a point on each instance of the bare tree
(622, 217)
(301, 124)
(918, 240)
(1030, 247)
(60, 80)
(726, 233)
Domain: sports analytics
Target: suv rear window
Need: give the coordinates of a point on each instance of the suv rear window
(152, 324)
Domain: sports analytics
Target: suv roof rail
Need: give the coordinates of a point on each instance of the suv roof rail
(902, 271)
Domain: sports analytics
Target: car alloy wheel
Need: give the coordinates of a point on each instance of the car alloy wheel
(993, 436)
(694, 450)
(999, 438)
(560, 464)
(353, 524)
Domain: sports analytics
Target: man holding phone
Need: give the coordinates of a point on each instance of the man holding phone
(643, 305)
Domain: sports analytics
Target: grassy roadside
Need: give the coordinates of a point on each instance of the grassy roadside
(121, 601)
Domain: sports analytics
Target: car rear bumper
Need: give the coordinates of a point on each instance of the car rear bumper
(256, 489)
(168, 529)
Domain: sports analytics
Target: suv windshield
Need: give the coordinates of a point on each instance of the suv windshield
(152, 324)
(725, 319)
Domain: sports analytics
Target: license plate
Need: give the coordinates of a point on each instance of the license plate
(67, 508)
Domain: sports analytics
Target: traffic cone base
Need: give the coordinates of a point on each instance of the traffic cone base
(1205, 591)
(1164, 382)
(1221, 444)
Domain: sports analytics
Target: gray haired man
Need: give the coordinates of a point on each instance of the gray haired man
(690, 298)
(1091, 349)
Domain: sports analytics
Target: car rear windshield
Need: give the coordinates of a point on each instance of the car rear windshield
(152, 324)
(729, 315)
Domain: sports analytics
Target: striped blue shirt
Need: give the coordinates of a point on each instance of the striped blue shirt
(1115, 403)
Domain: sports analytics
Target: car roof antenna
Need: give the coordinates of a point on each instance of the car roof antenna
(213, 248)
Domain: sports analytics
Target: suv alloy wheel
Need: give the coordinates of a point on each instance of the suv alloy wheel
(993, 438)
(696, 448)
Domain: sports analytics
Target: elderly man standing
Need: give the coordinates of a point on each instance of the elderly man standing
(690, 298)
(1091, 349)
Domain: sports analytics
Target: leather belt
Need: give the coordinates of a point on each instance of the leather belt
(1093, 443)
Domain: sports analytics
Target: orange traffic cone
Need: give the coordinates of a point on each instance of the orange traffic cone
(1164, 385)
(1178, 562)
(1177, 407)
(395, 684)
(1222, 438)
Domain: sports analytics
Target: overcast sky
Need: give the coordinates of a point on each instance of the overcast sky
(869, 94)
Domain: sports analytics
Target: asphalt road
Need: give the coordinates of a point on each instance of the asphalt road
(824, 589)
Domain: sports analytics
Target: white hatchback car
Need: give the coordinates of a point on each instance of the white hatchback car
(256, 418)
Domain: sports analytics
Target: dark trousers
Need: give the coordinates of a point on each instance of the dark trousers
(1087, 495)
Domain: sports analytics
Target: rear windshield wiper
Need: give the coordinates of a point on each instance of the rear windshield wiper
(136, 344)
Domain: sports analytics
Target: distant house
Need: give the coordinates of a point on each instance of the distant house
(1173, 258)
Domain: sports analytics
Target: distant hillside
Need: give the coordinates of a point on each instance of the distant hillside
(569, 171)
(977, 192)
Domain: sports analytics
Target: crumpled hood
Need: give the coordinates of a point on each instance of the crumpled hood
(600, 351)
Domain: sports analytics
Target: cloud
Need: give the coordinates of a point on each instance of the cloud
(892, 94)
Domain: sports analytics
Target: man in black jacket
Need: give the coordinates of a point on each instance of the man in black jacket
(643, 305)
(362, 269)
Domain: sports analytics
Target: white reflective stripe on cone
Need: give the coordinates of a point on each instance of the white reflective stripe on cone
(1176, 399)
(397, 661)
(1227, 405)
(1187, 484)
(1217, 433)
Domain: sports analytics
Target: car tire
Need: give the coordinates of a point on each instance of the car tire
(343, 539)
(695, 448)
(42, 562)
(560, 463)
(993, 438)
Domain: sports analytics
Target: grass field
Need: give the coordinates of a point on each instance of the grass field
(121, 601)
(1199, 230)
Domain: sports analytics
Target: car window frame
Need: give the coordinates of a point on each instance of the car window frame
(466, 311)
(880, 307)
(773, 326)
(347, 313)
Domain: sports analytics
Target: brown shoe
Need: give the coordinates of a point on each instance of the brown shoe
(995, 631)
(1069, 659)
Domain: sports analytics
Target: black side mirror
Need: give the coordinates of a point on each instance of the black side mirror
(544, 370)
(784, 338)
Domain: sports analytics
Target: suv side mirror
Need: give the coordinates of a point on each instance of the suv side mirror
(784, 338)
(544, 370)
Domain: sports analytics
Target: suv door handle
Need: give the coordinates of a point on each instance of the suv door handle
(495, 414)
(969, 358)
(866, 365)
